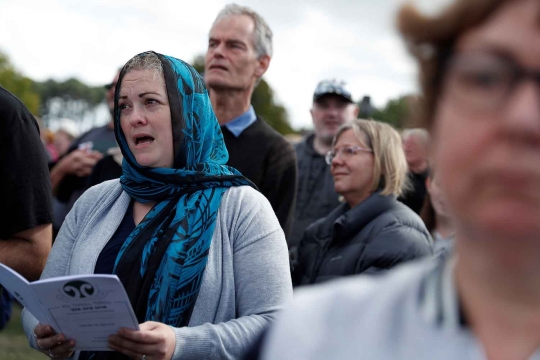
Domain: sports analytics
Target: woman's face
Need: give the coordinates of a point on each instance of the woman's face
(487, 133)
(352, 170)
(145, 118)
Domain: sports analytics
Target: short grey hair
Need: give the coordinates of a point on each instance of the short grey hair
(419, 133)
(147, 61)
(263, 34)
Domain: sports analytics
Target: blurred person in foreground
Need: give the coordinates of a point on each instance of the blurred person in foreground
(332, 107)
(479, 65)
(25, 195)
(238, 55)
(436, 215)
(69, 175)
(415, 145)
(371, 231)
(216, 272)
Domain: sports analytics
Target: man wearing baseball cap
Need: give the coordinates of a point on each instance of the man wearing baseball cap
(332, 106)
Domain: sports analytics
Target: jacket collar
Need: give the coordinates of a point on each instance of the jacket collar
(351, 222)
(307, 145)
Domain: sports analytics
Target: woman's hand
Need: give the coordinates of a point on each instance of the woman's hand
(52, 344)
(154, 341)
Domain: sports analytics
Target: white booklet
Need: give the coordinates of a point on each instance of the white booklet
(85, 308)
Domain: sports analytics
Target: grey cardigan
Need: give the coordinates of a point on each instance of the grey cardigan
(246, 280)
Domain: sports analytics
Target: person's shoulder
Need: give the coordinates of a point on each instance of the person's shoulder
(243, 208)
(8, 100)
(97, 193)
(400, 221)
(305, 144)
(348, 308)
(12, 109)
(366, 292)
(92, 133)
(269, 132)
(399, 214)
(94, 201)
(99, 129)
(323, 227)
(361, 289)
(242, 198)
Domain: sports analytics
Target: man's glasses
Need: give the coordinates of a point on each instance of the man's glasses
(345, 152)
(484, 81)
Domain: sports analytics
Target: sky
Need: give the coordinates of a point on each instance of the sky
(351, 40)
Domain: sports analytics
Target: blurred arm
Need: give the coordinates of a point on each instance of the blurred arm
(26, 251)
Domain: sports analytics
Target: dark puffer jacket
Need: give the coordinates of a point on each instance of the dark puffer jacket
(376, 235)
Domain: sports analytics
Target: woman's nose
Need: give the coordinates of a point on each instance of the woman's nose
(337, 160)
(137, 117)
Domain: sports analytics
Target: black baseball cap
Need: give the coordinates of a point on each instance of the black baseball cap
(334, 87)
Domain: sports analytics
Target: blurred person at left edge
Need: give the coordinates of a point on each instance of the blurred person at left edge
(25, 195)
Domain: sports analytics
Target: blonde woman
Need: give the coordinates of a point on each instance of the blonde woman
(371, 231)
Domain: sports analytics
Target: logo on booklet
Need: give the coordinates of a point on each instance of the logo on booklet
(79, 289)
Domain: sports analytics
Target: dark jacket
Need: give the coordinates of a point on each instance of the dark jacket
(376, 235)
(316, 196)
(266, 158)
(414, 197)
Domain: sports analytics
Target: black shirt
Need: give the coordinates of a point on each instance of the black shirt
(107, 257)
(414, 198)
(25, 188)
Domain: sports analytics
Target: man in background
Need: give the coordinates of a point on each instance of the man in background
(415, 145)
(239, 53)
(25, 193)
(332, 106)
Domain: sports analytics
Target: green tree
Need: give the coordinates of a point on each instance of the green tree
(397, 112)
(198, 63)
(263, 101)
(70, 98)
(265, 106)
(18, 84)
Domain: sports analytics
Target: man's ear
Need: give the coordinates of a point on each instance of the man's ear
(356, 111)
(263, 62)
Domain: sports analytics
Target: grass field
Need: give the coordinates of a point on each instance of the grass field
(13, 343)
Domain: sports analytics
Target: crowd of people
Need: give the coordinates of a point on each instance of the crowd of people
(210, 218)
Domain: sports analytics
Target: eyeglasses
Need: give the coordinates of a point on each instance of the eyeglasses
(484, 81)
(345, 152)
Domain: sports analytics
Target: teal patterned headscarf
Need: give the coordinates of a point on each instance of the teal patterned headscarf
(162, 262)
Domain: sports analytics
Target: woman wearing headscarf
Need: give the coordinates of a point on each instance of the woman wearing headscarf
(200, 253)
(480, 72)
(371, 231)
